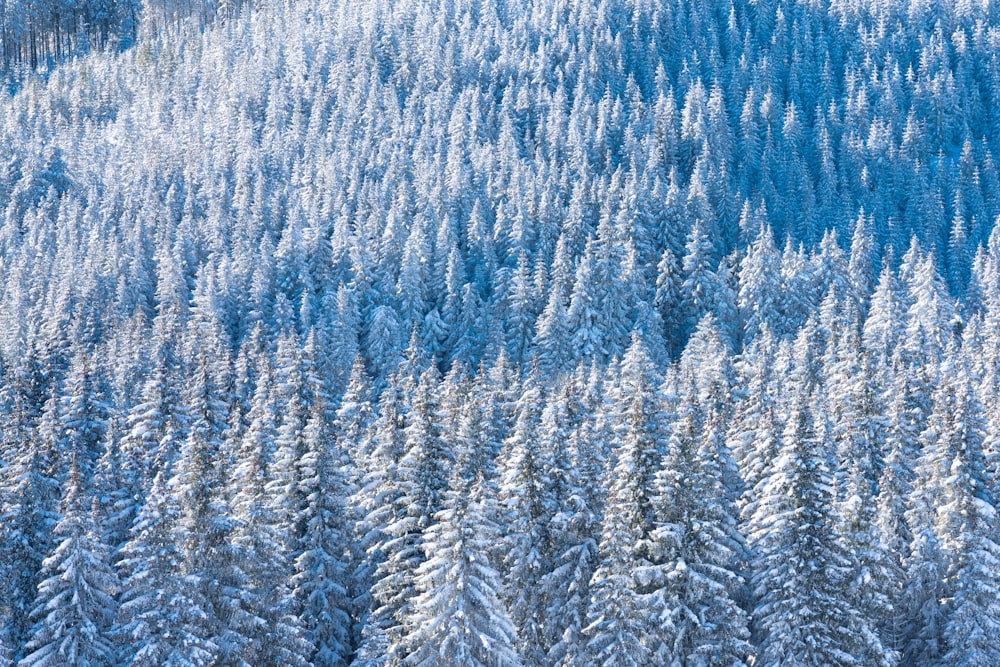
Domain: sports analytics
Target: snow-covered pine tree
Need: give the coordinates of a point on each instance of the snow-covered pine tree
(697, 550)
(801, 567)
(967, 521)
(259, 540)
(619, 630)
(576, 527)
(875, 578)
(76, 604)
(701, 288)
(884, 324)
(755, 432)
(204, 524)
(83, 416)
(706, 359)
(527, 508)
(378, 500)
(153, 428)
(667, 299)
(161, 619)
(523, 310)
(862, 265)
(618, 622)
(596, 317)
(322, 569)
(895, 487)
(292, 400)
(759, 285)
(457, 616)
(115, 504)
(642, 430)
(927, 585)
(29, 510)
(421, 478)
(354, 414)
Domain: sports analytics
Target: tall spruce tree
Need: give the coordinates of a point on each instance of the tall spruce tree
(161, 619)
(619, 630)
(320, 583)
(801, 567)
(458, 618)
(527, 506)
(697, 551)
(967, 521)
(422, 477)
(76, 601)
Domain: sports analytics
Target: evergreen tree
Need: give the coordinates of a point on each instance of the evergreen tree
(320, 580)
(204, 525)
(83, 416)
(804, 613)
(862, 267)
(926, 585)
(642, 432)
(701, 288)
(697, 551)
(667, 299)
(875, 577)
(30, 502)
(967, 521)
(527, 508)
(551, 335)
(618, 631)
(259, 547)
(574, 529)
(161, 620)
(895, 489)
(617, 621)
(884, 324)
(354, 415)
(378, 498)
(457, 616)
(759, 285)
(521, 319)
(421, 476)
(597, 317)
(76, 603)
(755, 433)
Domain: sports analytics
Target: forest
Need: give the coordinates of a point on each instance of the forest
(482, 333)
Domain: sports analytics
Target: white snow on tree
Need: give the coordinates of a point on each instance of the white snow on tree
(76, 602)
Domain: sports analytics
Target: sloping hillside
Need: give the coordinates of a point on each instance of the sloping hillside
(621, 332)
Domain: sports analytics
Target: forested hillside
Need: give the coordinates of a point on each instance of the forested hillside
(569, 333)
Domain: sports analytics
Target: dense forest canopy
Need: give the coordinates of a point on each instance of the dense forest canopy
(36, 35)
(463, 332)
